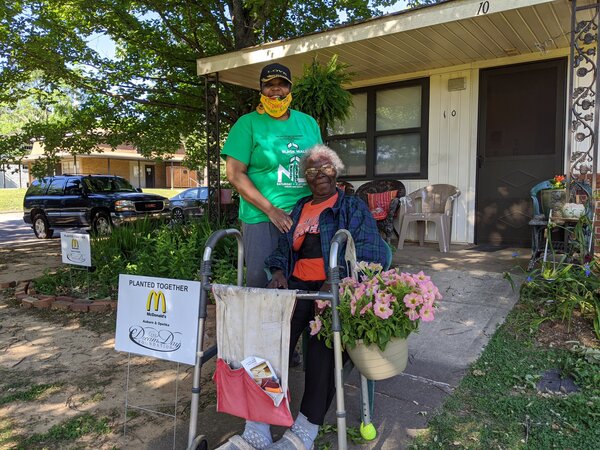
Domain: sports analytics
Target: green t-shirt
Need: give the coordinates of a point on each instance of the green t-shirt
(272, 150)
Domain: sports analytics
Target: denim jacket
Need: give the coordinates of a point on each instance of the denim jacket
(348, 212)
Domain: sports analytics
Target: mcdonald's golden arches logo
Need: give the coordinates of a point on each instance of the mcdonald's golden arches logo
(158, 298)
(74, 243)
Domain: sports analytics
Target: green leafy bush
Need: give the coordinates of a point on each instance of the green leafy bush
(565, 282)
(143, 248)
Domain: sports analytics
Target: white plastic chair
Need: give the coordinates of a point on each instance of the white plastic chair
(433, 203)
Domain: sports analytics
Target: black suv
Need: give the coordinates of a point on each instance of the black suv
(96, 201)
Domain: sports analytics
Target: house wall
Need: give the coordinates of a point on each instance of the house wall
(453, 139)
(178, 176)
(118, 167)
(452, 149)
(160, 179)
(122, 168)
(13, 176)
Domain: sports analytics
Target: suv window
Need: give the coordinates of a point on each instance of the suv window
(107, 184)
(56, 187)
(192, 193)
(38, 187)
(73, 187)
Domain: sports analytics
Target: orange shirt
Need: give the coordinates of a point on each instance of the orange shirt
(310, 269)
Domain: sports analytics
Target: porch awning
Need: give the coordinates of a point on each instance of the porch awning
(452, 33)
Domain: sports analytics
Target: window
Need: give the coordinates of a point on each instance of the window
(56, 187)
(192, 193)
(73, 187)
(107, 184)
(38, 187)
(387, 132)
(69, 166)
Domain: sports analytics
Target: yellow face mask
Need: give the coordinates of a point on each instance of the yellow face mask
(275, 107)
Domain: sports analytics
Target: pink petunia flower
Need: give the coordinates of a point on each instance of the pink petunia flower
(315, 325)
(360, 292)
(412, 314)
(384, 297)
(353, 306)
(408, 279)
(366, 308)
(413, 300)
(322, 304)
(382, 310)
(427, 313)
(421, 277)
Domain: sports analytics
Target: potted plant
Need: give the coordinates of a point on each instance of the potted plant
(320, 92)
(555, 197)
(378, 313)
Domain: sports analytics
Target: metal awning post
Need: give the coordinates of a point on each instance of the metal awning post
(213, 150)
(584, 108)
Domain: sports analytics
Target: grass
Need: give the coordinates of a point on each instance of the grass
(164, 192)
(497, 405)
(11, 200)
(69, 430)
(22, 390)
(26, 393)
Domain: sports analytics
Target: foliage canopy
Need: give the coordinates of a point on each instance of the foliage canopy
(148, 93)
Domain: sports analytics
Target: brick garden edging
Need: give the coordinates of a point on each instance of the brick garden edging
(30, 299)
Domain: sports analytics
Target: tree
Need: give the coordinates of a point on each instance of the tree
(417, 3)
(148, 95)
(46, 113)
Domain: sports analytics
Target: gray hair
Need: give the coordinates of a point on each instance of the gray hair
(322, 150)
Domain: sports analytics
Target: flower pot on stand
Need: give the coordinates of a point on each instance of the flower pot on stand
(377, 365)
(573, 210)
(553, 199)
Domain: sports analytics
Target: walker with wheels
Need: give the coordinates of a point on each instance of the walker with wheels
(367, 430)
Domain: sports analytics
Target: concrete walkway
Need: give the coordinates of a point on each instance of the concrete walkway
(476, 300)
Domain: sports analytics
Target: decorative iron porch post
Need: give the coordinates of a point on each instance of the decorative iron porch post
(213, 150)
(584, 111)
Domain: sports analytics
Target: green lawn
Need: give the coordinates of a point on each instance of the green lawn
(497, 405)
(164, 192)
(11, 200)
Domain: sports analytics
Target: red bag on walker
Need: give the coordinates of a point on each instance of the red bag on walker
(239, 395)
(252, 321)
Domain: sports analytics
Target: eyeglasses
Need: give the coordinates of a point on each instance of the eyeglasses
(313, 172)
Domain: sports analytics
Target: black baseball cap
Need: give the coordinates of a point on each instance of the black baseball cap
(275, 70)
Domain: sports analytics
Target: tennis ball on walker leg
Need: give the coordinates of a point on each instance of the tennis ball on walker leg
(368, 432)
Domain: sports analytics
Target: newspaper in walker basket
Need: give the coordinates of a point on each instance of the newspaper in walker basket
(261, 371)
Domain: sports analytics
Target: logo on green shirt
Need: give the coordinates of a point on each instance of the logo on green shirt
(290, 176)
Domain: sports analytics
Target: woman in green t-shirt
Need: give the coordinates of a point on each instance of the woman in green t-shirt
(263, 153)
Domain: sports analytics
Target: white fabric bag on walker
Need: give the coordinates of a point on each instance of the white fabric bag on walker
(252, 322)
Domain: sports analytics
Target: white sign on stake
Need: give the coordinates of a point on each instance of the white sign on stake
(158, 317)
(75, 249)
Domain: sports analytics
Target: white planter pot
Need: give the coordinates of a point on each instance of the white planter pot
(377, 365)
(573, 210)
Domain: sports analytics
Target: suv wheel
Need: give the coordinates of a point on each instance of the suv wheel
(101, 224)
(41, 228)
(178, 216)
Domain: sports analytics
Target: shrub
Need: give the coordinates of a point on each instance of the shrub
(143, 248)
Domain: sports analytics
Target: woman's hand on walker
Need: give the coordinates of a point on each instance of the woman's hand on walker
(278, 280)
(280, 219)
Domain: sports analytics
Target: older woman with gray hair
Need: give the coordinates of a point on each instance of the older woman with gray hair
(301, 262)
